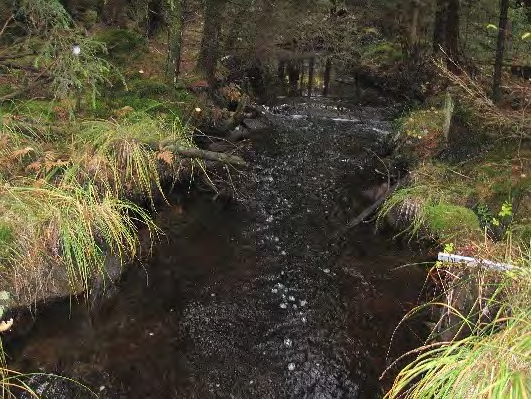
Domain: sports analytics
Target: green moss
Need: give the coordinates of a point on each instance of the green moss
(150, 88)
(445, 220)
(382, 52)
(147, 95)
(6, 239)
(122, 44)
(421, 123)
(33, 109)
(6, 234)
(6, 89)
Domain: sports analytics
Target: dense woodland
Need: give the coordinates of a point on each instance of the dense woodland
(102, 102)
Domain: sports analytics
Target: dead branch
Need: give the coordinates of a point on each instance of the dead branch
(15, 56)
(508, 123)
(208, 155)
(371, 209)
(6, 24)
(36, 83)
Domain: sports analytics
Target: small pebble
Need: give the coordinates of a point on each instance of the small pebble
(102, 388)
(274, 290)
(326, 271)
(283, 306)
(303, 303)
(291, 298)
(151, 334)
(288, 342)
(291, 366)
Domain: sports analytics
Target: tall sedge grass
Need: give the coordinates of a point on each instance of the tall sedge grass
(129, 156)
(72, 224)
(11, 380)
(493, 361)
(64, 204)
(73, 209)
(17, 145)
(14, 384)
(120, 156)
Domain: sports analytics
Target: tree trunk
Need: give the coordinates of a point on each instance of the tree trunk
(500, 47)
(413, 31)
(327, 76)
(293, 76)
(302, 68)
(114, 13)
(155, 17)
(281, 71)
(311, 71)
(175, 38)
(452, 35)
(210, 42)
(439, 27)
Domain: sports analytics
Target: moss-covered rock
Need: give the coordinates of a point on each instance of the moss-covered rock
(446, 220)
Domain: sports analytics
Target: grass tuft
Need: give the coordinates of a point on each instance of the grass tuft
(79, 225)
(494, 361)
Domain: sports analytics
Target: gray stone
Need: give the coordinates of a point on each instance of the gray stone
(255, 124)
(239, 133)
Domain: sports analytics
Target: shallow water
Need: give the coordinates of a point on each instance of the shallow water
(256, 298)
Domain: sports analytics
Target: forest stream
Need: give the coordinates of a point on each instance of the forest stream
(254, 298)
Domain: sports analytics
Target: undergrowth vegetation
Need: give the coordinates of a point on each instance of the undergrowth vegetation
(67, 192)
(493, 361)
(473, 200)
(87, 117)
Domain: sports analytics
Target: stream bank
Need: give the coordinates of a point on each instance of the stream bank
(254, 298)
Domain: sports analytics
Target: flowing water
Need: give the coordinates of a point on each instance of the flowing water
(255, 298)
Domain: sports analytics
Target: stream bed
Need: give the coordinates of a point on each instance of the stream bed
(258, 297)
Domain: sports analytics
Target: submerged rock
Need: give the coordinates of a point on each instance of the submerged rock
(255, 125)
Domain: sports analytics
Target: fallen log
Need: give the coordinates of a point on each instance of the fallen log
(370, 209)
(208, 155)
